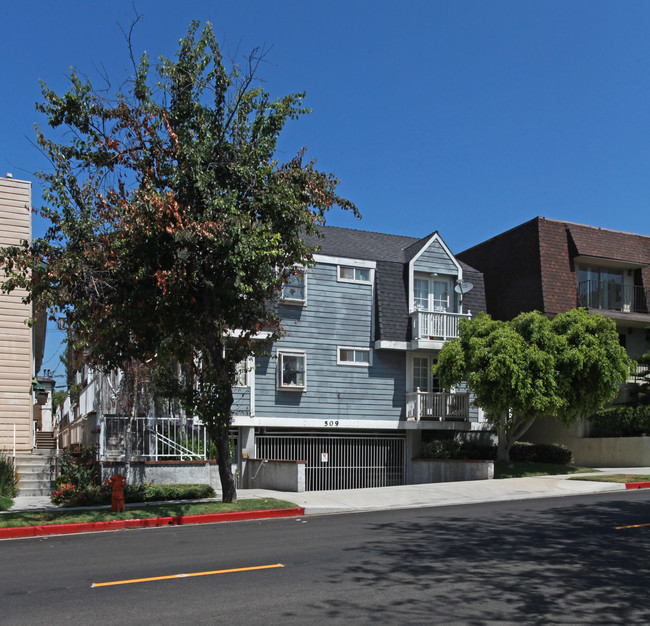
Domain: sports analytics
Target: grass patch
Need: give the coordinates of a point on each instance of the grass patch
(616, 478)
(41, 518)
(519, 469)
(5, 503)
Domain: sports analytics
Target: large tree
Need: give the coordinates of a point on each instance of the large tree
(173, 226)
(531, 367)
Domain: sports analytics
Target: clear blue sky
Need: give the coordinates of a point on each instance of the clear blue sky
(466, 117)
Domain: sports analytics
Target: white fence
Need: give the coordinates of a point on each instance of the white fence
(154, 438)
(437, 406)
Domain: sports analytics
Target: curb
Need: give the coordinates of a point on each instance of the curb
(641, 485)
(176, 520)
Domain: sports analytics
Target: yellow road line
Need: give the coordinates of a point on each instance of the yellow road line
(633, 526)
(218, 571)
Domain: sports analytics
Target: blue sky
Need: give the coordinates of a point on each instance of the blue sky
(466, 117)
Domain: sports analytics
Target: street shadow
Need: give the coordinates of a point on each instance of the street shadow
(565, 564)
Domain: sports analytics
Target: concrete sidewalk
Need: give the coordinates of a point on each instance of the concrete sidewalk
(416, 496)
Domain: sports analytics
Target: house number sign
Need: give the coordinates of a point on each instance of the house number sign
(331, 422)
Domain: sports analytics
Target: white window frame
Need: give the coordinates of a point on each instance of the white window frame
(355, 271)
(340, 361)
(281, 354)
(287, 299)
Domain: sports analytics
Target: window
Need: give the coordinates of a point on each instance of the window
(431, 294)
(292, 371)
(353, 356)
(604, 288)
(422, 377)
(353, 274)
(295, 289)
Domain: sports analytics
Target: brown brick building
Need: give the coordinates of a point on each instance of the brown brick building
(553, 266)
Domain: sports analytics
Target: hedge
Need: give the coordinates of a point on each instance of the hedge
(622, 421)
(68, 495)
(520, 451)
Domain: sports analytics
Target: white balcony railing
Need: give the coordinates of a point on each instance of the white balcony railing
(441, 406)
(440, 325)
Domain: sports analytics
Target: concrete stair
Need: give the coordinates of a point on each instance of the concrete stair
(37, 472)
(45, 440)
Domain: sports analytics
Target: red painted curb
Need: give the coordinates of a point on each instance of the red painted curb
(642, 485)
(176, 520)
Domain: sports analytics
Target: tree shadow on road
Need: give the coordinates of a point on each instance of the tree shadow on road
(522, 564)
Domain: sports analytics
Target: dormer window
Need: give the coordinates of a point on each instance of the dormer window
(431, 293)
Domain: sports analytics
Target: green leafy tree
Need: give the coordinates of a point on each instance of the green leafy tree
(173, 226)
(531, 367)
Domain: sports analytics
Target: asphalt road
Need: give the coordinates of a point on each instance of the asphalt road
(567, 560)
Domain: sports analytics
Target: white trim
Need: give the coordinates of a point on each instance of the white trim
(338, 260)
(390, 424)
(251, 383)
(367, 349)
(280, 352)
(383, 344)
(314, 422)
(264, 334)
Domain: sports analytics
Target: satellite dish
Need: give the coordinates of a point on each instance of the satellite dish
(463, 288)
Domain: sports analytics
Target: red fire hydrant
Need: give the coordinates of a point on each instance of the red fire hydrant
(117, 502)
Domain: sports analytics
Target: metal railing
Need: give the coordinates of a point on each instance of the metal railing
(441, 406)
(339, 461)
(155, 438)
(593, 294)
(436, 324)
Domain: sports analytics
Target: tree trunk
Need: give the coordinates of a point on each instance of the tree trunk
(128, 438)
(503, 446)
(228, 489)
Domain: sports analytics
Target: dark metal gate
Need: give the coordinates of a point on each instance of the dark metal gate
(339, 461)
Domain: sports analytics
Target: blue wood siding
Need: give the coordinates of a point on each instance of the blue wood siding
(241, 404)
(336, 314)
(435, 259)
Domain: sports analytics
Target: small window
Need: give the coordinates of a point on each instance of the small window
(354, 274)
(295, 289)
(292, 371)
(353, 356)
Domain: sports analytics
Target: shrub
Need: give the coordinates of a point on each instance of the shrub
(453, 449)
(96, 495)
(523, 452)
(621, 421)
(8, 477)
(80, 470)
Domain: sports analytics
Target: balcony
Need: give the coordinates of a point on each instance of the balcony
(612, 296)
(440, 406)
(432, 328)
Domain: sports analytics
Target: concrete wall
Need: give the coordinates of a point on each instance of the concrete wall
(611, 451)
(167, 472)
(592, 451)
(279, 475)
(442, 471)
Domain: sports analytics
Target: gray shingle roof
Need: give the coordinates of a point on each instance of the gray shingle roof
(392, 254)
